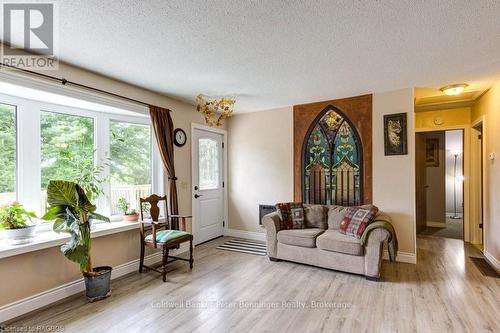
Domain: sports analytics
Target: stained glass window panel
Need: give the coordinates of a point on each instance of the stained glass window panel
(332, 162)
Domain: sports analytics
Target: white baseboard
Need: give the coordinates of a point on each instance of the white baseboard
(31, 303)
(435, 224)
(253, 235)
(492, 260)
(406, 257)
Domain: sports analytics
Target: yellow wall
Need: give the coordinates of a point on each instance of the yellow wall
(488, 108)
(448, 117)
(38, 271)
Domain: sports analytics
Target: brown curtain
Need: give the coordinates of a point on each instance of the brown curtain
(164, 133)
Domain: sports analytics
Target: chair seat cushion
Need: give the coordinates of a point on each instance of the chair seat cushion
(165, 236)
(332, 240)
(299, 237)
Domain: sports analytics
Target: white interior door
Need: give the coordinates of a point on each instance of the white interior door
(208, 179)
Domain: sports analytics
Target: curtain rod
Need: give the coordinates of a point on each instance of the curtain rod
(65, 82)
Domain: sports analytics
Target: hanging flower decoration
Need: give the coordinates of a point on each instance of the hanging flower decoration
(215, 110)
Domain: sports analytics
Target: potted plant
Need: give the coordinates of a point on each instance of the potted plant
(72, 212)
(17, 224)
(124, 207)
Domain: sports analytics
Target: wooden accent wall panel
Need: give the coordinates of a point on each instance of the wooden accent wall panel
(359, 111)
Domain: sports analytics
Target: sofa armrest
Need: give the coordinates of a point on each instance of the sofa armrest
(374, 252)
(272, 224)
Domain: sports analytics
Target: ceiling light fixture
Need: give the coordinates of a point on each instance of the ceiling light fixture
(454, 89)
(215, 110)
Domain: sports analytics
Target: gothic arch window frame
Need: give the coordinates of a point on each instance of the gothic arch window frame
(358, 142)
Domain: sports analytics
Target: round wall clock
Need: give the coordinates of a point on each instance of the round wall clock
(179, 137)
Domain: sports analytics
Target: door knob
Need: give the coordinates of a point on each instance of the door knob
(196, 196)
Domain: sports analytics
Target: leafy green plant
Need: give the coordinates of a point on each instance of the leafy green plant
(71, 211)
(123, 205)
(14, 216)
(91, 180)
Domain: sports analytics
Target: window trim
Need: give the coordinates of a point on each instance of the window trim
(16, 121)
(28, 147)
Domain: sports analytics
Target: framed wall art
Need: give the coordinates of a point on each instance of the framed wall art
(395, 134)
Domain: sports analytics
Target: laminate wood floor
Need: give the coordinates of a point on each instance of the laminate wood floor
(236, 292)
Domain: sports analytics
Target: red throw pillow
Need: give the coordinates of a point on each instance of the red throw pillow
(356, 219)
(291, 215)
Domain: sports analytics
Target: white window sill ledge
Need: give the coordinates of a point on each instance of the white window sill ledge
(47, 239)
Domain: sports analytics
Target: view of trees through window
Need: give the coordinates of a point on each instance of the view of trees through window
(7, 153)
(208, 159)
(67, 147)
(130, 163)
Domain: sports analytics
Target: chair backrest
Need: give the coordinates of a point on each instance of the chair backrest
(154, 208)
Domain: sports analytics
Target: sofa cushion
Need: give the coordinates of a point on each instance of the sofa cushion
(299, 237)
(335, 216)
(332, 240)
(291, 215)
(315, 216)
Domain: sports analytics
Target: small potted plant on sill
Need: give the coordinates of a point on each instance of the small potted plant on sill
(72, 212)
(16, 224)
(124, 207)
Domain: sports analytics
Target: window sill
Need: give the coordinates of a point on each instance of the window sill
(47, 239)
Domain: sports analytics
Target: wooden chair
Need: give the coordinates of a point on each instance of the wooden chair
(162, 239)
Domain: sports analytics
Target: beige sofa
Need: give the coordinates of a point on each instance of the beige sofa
(321, 244)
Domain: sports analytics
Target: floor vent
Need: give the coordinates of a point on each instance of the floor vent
(484, 267)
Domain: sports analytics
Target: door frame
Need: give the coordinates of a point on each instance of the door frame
(466, 170)
(196, 126)
(481, 120)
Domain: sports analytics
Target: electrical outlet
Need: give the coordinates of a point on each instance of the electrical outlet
(492, 156)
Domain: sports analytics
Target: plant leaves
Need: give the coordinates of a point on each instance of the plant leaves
(53, 213)
(62, 193)
(77, 249)
(97, 216)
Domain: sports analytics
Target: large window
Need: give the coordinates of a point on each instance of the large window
(8, 153)
(130, 164)
(41, 141)
(67, 148)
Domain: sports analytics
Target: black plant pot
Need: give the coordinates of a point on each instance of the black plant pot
(99, 286)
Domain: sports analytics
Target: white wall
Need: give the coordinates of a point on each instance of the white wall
(260, 158)
(394, 176)
(261, 166)
(454, 142)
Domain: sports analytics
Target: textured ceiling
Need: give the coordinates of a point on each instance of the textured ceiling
(271, 53)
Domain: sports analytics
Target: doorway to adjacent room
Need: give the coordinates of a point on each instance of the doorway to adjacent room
(439, 183)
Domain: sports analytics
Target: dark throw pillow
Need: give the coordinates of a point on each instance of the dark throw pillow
(291, 215)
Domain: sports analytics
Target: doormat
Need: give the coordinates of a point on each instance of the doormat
(244, 246)
(484, 267)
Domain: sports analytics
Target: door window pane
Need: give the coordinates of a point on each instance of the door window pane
(8, 156)
(67, 148)
(131, 165)
(208, 164)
